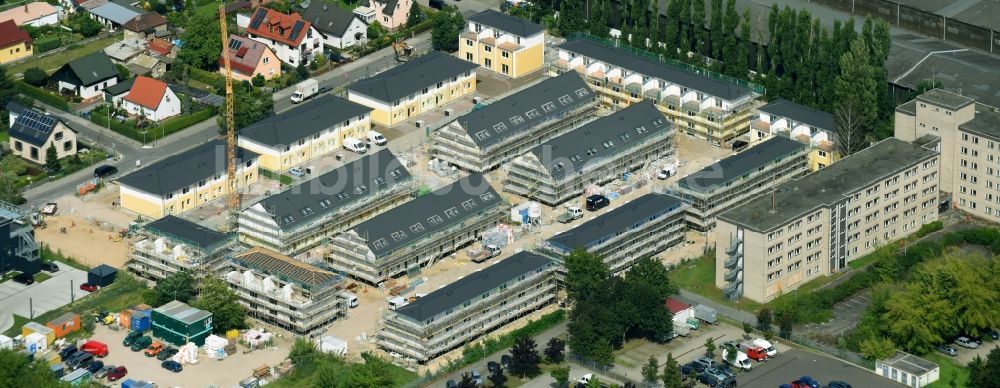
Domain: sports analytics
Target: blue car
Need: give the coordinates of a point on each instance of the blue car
(172, 366)
(809, 381)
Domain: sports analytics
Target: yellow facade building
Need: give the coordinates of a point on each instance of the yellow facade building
(502, 43)
(800, 122)
(306, 132)
(184, 181)
(15, 43)
(414, 88)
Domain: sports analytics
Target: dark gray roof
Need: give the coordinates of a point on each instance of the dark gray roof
(390, 7)
(103, 270)
(328, 19)
(184, 169)
(620, 219)
(303, 121)
(829, 185)
(120, 87)
(93, 68)
(652, 68)
(426, 215)
(15, 107)
(945, 98)
(750, 160)
(325, 194)
(507, 23)
(986, 122)
(601, 138)
(188, 232)
(548, 99)
(800, 113)
(33, 127)
(411, 77)
(909, 107)
(473, 286)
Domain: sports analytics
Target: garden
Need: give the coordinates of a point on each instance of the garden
(17, 173)
(143, 130)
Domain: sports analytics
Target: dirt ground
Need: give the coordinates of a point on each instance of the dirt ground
(91, 226)
(207, 372)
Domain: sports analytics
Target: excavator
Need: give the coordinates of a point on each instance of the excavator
(403, 51)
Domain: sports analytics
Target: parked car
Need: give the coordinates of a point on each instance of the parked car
(967, 343)
(117, 373)
(97, 348)
(714, 378)
(131, 337)
(103, 372)
(505, 361)
(88, 287)
(68, 351)
(25, 279)
(166, 353)
(79, 360)
(992, 333)
(478, 378)
(105, 171)
(597, 202)
(838, 384)
(141, 343)
(947, 350)
(172, 366)
(49, 266)
(155, 348)
(296, 171)
(492, 367)
(451, 384)
(805, 382)
(95, 366)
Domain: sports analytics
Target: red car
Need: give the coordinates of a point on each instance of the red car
(88, 287)
(98, 349)
(117, 373)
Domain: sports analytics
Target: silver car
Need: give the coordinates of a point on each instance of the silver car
(965, 342)
(947, 350)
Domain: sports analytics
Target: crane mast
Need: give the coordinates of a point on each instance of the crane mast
(233, 198)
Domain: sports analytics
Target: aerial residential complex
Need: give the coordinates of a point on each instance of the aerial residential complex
(502, 43)
(285, 292)
(303, 216)
(414, 88)
(970, 138)
(184, 181)
(700, 105)
(171, 244)
(470, 307)
(815, 225)
(732, 181)
(481, 140)
(636, 229)
(305, 132)
(593, 154)
(800, 122)
(419, 232)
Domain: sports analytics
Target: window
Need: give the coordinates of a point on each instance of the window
(468, 42)
(18, 145)
(59, 135)
(505, 54)
(68, 146)
(488, 49)
(266, 60)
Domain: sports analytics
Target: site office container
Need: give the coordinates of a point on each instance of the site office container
(35, 327)
(64, 324)
(172, 329)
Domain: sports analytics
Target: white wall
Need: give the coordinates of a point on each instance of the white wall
(368, 101)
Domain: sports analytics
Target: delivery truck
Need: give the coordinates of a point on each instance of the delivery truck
(305, 90)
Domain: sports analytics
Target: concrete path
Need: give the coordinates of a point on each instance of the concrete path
(58, 291)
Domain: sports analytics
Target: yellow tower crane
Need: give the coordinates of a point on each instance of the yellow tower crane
(233, 200)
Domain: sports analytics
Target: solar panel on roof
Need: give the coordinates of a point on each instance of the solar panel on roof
(235, 44)
(296, 30)
(258, 18)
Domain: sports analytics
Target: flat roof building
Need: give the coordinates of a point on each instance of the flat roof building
(816, 224)
(483, 139)
(908, 369)
(303, 216)
(594, 153)
(636, 229)
(737, 178)
(470, 307)
(419, 232)
(700, 103)
(285, 292)
(172, 244)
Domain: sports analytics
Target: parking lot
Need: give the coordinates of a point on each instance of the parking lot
(58, 291)
(791, 364)
(226, 372)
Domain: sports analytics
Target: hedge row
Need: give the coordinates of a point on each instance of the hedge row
(161, 130)
(205, 77)
(47, 43)
(176, 124)
(41, 95)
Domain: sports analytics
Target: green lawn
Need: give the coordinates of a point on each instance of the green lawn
(41, 277)
(4, 136)
(950, 371)
(698, 276)
(52, 62)
(210, 9)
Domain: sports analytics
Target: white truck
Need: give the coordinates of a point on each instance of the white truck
(572, 213)
(481, 255)
(304, 90)
(740, 361)
(767, 345)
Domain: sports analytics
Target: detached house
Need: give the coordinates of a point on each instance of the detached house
(35, 14)
(250, 58)
(294, 40)
(339, 28)
(87, 76)
(145, 26)
(505, 44)
(34, 132)
(152, 99)
(14, 42)
(161, 47)
(391, 13)
(112, 15)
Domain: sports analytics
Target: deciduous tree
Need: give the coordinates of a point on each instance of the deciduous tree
(448, 24)
(672, 376)
(35, 76)
(202, 45)
(710, 347)
(561, 375)
(985, 373)
(416, 15)
(177, 286)
(651, 370)
(554, 351)
(215, 296)
(524, 357)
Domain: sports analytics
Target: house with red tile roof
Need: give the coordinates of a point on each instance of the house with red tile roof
(293, 39)
(15, 43)
(248, 58)
(160, 46)
(152, 99)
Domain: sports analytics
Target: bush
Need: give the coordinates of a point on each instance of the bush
(47, 43)
(473, 353)
(175, 124)
(205, 77)
(41, 95)
(35, 76)
(930, 228)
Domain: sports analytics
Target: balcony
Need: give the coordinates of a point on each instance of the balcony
(714, 113)
(652, 94)
(672, 99)
(634, 87)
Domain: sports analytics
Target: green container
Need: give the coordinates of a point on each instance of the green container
(178, 324)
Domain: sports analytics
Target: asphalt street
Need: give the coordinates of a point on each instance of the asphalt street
(794, 363)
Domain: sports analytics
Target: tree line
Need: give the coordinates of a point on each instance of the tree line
(608, 310)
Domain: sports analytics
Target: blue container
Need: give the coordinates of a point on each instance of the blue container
(140, 322)
(58, 370)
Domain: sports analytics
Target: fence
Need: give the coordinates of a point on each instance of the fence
(924, 22)
(607, 370)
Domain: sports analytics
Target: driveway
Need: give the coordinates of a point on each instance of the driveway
(58, 291)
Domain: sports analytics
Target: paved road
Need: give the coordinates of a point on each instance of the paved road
(792, 364)
(15, 298)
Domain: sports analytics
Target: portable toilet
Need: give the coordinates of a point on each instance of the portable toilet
(35, 327)
(35, 343)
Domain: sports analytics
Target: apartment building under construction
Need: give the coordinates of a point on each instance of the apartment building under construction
(470, 307)
(811, 126)
(172, 244)
(483, 139)
(595, 153)
(732, 181)
(303, 216)
(419, 232)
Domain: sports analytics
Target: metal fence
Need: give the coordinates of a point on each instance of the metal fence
(924, 22)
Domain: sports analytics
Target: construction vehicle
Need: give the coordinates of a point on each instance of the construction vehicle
(403, 51)
(483, 254)
(572, 213)
(233, 197)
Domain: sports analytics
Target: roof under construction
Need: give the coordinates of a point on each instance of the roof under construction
(286, 268)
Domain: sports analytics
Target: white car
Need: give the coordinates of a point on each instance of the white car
(967, 343)
(296, 171)
(355, 145)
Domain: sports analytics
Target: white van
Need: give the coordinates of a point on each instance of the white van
(771, 351)
(740, 361)
(351, 298)
(355, 145)
(377, 138)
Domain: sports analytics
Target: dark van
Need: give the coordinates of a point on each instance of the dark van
(597, 202)
(105, 171)
(436, 4)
